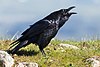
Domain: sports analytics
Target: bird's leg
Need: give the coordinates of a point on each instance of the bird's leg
(43, 53)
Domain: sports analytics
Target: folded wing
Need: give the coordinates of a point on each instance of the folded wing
(35, 29)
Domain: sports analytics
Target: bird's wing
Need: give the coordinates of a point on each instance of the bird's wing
(36, 28)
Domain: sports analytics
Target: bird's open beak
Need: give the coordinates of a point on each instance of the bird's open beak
(70, 8)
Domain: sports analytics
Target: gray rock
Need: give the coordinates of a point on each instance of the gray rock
(26, 64)
(68, 46)
(95, 61)
(5, 59)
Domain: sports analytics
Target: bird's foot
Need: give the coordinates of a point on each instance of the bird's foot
(43, 53)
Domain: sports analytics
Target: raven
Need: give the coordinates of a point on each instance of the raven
(42, 31)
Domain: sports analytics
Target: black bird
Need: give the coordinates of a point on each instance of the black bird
(42, 31)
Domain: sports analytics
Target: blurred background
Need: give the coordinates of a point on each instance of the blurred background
(17, 15)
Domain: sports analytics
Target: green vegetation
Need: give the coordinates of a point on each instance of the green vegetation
(57, 56)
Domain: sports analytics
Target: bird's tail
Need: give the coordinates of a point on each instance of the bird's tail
(14, 44)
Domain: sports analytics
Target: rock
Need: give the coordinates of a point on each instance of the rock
(5, 59)
(26, 64)
(95, 61)
(68, 46)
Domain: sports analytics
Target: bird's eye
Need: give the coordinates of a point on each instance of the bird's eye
(63, 10)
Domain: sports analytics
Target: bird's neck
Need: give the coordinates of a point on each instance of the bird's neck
(61, 23)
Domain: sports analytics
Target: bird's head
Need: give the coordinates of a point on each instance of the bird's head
(65, 13)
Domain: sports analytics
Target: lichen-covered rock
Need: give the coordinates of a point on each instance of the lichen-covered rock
(5, 59)
(26, 64)
(95, 61)
(68, 46)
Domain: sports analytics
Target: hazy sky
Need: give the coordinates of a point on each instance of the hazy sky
(15, 13)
